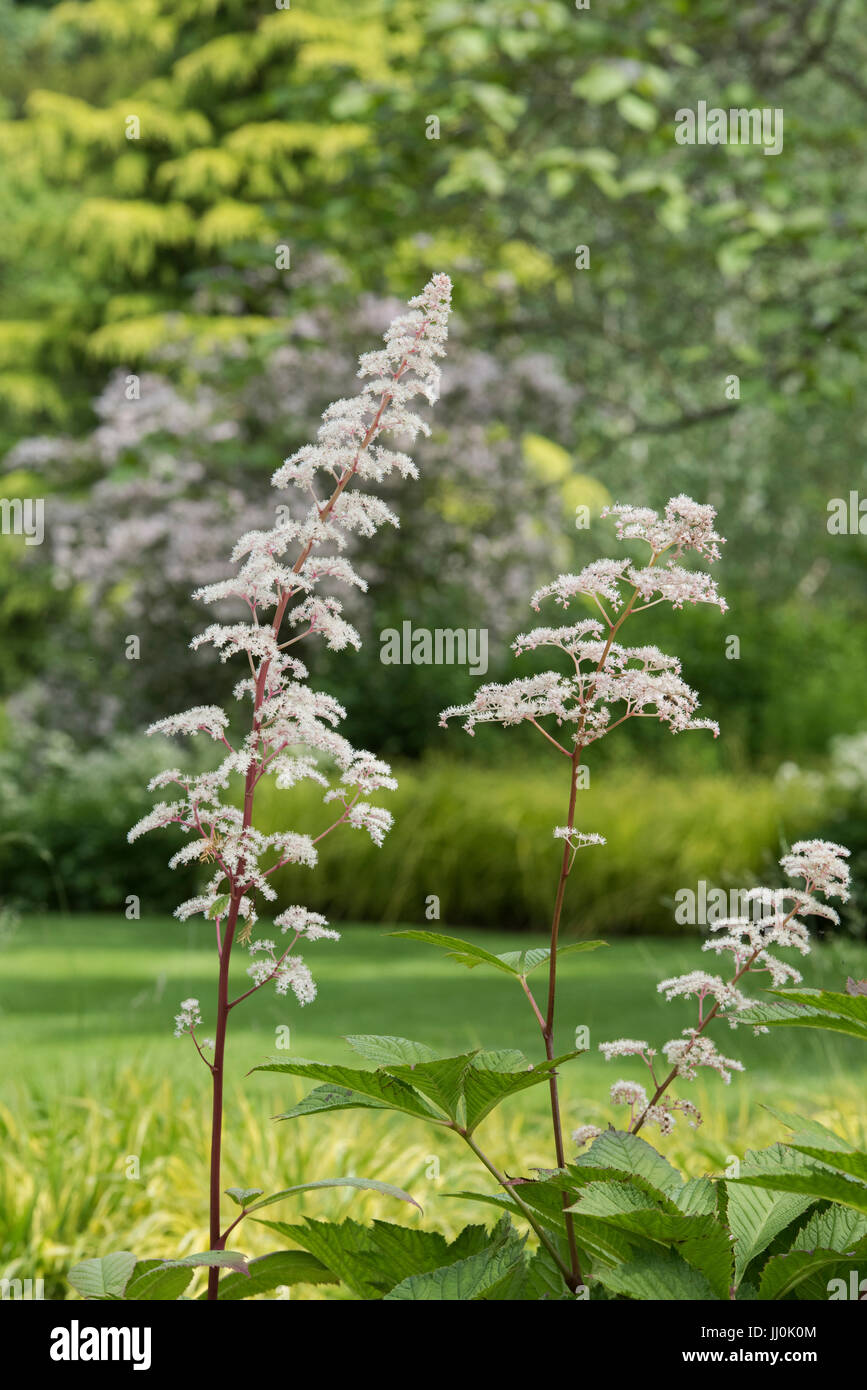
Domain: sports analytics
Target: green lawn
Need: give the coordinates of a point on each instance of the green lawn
(92, 1074)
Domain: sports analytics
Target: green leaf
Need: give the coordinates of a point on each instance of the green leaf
(325, 1098)
(636, 111)
(603, 82)
(793, 1016)
(756, 1217)
(442, 1081)
(462, 951)
(784, 1273)
(485, 1089)
(282, 1267)
(366, 1184)
(377, 1086)
(466, 1280)
(210, 1259)
(523, 962)
(343, 1247)
(105, 1277)
(156, 1280)
(783, 1169)
(834, 1228)
(852, 1006)
(660, 1278)
(383, 1051)
(701, 1240)
(218, 907)
(241, 1195)
(618, 1151)
(806, 1130)
(854, 1164)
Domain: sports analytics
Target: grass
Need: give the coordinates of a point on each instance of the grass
(104, 1114)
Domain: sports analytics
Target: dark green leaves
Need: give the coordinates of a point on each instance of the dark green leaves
(456, 1091)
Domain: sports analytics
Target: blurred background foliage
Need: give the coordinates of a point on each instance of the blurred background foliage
(156, 364)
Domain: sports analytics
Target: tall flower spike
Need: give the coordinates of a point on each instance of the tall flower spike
(278, 574)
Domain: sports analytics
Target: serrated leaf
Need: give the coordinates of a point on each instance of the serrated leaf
(441, 1081)
(854, 1164)
(834, 1228)
(652, 1278)
(155, 1280)
(465, 1280)
(523, 962)
(782, 1169)
(241, 1195)
(378, 1086)
(618, 1151)
(484, 1090)
(365, 1184)
(795, 1016)
(282, 1267)
(105, 1277)
(851, 1006)
(755, 1217)
(343, 1247)
(784, 1273)
(384, 1050)
(805, 1130)
(465, 952)
(697, 1197)
(699, 1239)
(324, 1098)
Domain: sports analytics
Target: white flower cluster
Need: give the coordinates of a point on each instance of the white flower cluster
(292, 735)
(822, 866)
(609, 683)
(188, 1018)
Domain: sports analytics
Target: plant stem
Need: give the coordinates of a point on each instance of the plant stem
(257, 766)
(509, 1188)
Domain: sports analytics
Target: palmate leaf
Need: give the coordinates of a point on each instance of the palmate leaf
(516, 963)
(700, 1239)
(441, 1081)
(279, 1269)
(371, 1260)
(383, 1090)
(485, 1088)
(852, 1006)
(105, 1277)
(459, 1090)
(664, 1277)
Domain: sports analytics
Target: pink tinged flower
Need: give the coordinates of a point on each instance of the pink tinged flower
(676, 585)
(822, 865)
(696, 1051)
(601, 578)
(686, 525)
(585, 1134)
(627, 1047)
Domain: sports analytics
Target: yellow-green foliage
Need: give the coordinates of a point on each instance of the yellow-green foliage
(65, 1194)
(481, 839)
